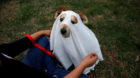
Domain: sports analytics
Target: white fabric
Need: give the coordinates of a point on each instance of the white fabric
(81, 42)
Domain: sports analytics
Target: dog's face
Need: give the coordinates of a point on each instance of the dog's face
(67, 19)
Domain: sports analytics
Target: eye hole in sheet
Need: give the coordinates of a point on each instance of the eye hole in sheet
(62, 17)
(74, 19)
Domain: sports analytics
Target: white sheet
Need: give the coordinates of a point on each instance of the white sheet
(81, 42)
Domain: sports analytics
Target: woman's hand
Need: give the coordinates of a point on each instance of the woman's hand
(36, 35)
(89, 60)
(46, 32)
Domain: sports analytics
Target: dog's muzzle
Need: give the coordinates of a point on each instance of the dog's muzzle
(65, 31)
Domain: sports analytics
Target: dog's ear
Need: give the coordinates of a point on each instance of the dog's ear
(58, 12)
(83, 17)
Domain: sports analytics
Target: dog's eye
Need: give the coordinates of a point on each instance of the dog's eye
(61, 19)
(72, 22)
(73, 19)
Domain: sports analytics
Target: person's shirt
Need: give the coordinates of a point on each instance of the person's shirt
(13, 68)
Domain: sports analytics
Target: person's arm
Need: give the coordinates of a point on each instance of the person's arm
(87, 62)
(15, 48)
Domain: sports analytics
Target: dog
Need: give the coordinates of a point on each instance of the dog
(71, 40)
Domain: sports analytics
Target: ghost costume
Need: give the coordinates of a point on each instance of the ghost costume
(81, 42)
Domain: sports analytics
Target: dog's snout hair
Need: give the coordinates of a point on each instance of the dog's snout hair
(65, 30)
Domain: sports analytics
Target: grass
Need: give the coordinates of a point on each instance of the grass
(116, 24)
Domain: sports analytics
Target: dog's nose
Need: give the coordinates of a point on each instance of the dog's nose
(63, 31)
